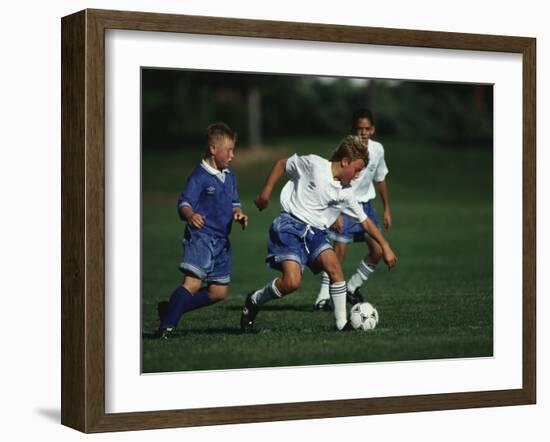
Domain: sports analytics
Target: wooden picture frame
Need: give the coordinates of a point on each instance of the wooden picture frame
(83, 220)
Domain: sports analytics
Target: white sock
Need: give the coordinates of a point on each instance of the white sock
(338, 295)
(324, 292)
(360, 276)
(265, 294)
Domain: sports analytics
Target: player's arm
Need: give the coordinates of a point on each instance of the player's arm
(382, 188)
(277, 171)
(192, 218)
(189, 199)
(389, 257)
(240, 217)
(354, 208)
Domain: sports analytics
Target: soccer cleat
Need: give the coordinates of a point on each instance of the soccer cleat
(164, 333)
(248, 314)
(354, 298)
(323, 305)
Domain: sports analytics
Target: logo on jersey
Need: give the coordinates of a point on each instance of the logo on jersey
(311, 185)
(210, 190)
(336, 203)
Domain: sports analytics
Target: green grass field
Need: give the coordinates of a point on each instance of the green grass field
(437, 302)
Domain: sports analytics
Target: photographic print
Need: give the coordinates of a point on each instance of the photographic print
(281, 116)
(227, 286)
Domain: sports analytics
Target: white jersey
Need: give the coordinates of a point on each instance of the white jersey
(375, 171)
(314, 196)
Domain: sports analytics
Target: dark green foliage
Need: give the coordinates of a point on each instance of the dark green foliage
(178, 105)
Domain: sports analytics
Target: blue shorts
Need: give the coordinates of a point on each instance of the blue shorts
(207, 257)
(293, 240)
(353, 231)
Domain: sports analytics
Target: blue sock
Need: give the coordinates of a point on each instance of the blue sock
(183, 301)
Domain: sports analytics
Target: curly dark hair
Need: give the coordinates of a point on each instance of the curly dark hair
(361, 113)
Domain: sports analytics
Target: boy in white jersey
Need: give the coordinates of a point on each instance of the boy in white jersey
(348, 229)
(298, 237)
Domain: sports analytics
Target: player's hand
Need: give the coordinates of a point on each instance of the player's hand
(389, 257)
(241, 218)
(338, 225)
(196, 220)
(387, 219)
(261, 202)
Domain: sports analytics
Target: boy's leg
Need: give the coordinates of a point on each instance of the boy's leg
(323, 298)
(366, 267)
(340, 239)
(279, 287)
(328, 261)
(188, 296)
(217, 292)
(368, 264)
(216, 262)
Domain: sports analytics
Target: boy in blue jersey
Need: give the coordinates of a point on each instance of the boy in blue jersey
(209, 204)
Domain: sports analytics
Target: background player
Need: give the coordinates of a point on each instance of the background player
(209, 204)
(348, 229)
(298, 236)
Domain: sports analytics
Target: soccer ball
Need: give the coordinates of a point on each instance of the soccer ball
(363, 316)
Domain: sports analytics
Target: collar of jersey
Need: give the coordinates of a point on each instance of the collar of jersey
(211, 170)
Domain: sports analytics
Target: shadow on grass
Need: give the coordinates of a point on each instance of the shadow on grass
(195, 332)
(275, 307)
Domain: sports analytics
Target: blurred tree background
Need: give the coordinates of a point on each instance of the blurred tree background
(178, 105)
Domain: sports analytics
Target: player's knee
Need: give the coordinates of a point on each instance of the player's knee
(192, 285)
(218, 297)
(218, 293)
(290, 283)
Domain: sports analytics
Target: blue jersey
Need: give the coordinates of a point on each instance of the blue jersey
(212, 194)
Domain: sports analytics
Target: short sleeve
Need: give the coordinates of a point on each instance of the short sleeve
(297, 166)
(355, 210)
(236, 202)
(191, 193)
(381, 169)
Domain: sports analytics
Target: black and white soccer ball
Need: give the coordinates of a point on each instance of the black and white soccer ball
(363, 316)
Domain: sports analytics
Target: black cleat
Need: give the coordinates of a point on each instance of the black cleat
(354, 298)
(164, 333)
(248, 314)
(323, 305)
